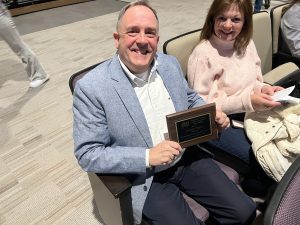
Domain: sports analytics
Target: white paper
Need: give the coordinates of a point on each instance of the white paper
(284, 96)
(237, 124)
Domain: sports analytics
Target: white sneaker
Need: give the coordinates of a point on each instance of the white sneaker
(38, 82)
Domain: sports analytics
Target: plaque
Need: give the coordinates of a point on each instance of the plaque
(193, 126)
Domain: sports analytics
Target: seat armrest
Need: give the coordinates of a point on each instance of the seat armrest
(290, 80)
(279, 73)
(112, 196)
(116, 184)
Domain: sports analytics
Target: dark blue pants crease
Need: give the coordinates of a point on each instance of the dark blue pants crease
(197, 175)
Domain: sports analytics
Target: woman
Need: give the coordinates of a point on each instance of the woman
(225, 68)
(290, 27)
(9, 33)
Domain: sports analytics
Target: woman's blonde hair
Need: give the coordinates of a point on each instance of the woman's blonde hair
(218, 7)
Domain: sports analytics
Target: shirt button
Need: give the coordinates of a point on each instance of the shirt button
(267, 132)
(145, 188)
(273, 126)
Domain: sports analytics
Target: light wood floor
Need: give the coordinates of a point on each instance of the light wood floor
(40, 181)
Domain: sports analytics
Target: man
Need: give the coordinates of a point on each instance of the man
(290, 28)
(11, 36)
(119, 128)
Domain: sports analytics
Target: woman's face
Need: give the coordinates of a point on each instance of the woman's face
(228, 25)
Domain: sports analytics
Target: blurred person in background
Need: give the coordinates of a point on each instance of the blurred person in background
(290, 27)
(257, 5)
(9, 33)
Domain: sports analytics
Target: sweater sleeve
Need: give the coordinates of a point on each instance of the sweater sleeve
(236, 103)
(200, 75)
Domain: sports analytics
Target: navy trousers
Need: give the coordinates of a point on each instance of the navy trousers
(197, 175)
(234, 141)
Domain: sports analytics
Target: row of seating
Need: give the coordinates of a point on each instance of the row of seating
(112, 192)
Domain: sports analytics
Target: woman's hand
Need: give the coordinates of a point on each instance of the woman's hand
(222, 119)
(270, 90)
(263, 102)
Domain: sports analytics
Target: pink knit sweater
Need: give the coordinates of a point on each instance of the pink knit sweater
(219, 75)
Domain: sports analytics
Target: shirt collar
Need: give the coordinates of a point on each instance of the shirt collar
(142, 78)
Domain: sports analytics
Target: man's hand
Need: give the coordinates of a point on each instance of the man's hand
(263, 102)
(164, 153)
(221, 119)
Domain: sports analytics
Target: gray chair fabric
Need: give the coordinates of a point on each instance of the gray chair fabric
(284, 206)
(230, 172)
(199, 211)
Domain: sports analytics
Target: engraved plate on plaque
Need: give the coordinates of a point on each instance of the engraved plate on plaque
(193, 126)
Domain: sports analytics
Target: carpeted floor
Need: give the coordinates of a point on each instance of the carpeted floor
(41, 182)
(55, 17)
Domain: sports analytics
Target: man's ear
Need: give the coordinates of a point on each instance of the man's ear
(116, 37)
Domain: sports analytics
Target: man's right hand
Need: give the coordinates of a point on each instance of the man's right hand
(164, 153)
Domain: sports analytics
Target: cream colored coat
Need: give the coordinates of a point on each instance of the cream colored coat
(275, 137)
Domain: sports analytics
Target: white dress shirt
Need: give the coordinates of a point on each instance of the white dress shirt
(155, 101)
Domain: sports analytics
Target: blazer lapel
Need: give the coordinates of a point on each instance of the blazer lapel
(128, 96)
(172, 88)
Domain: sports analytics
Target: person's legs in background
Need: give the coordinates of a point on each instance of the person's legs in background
(257, 5)
(11, 36)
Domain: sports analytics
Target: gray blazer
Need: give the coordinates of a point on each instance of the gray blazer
(110, 130)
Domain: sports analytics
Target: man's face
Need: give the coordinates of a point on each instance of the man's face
(137, 38)
(229, 24)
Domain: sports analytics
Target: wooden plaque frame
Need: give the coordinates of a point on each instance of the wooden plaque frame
(193, 126)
